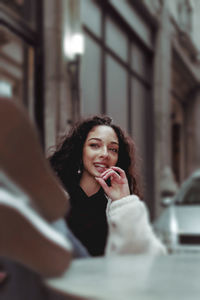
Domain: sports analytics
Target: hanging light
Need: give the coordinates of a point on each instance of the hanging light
(73, 45)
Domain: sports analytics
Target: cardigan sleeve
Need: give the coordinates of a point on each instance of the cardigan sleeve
(130, 231)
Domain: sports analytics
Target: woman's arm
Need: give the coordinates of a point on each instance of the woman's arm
(130, 231)
(129, 228)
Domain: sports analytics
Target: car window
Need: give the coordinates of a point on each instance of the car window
(192, 196)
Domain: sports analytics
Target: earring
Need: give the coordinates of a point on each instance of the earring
(80, 168)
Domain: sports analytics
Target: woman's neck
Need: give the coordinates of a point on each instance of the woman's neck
(89, 185)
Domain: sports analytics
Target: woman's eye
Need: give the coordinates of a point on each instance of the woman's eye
(114, 150)
(94, 145)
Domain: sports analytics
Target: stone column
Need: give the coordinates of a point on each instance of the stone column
(161, 95)
(57, 106)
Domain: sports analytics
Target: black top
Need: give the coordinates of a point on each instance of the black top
(87, 220)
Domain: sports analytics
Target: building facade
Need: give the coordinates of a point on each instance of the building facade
(139, 64)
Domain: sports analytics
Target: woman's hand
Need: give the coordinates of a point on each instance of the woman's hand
(119, 187)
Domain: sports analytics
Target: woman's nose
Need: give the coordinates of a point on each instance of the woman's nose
(104, 152)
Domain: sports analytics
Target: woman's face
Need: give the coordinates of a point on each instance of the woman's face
(100, 151)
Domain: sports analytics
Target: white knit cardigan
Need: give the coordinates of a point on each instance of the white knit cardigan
(130, 231)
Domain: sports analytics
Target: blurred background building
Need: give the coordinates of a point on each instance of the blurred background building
(136, 60)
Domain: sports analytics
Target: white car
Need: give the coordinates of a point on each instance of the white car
(179, 224)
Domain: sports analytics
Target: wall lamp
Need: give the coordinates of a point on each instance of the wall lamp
(74, 49)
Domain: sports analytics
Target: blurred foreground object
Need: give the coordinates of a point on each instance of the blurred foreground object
(31, 198)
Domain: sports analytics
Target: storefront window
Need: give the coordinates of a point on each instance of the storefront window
(23, 9)
(16, 69)
(21, 61)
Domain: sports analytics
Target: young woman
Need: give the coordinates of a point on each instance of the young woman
(96, 165)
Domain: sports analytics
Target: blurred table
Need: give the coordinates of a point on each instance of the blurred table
(139, 277)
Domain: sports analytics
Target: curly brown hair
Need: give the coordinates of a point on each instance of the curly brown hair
(67, 158)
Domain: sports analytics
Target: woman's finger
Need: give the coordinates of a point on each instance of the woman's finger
(105, 172)
(103, 184)
(111, 173)
(120, 171)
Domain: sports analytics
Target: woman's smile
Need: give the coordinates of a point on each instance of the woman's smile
(101, 167)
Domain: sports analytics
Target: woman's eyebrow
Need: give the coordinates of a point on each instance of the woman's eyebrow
(98, 139)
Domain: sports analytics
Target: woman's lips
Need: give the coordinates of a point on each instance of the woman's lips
(100, 167)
